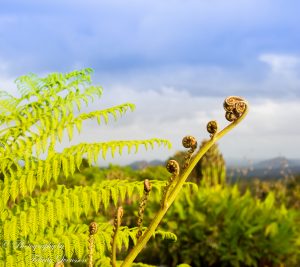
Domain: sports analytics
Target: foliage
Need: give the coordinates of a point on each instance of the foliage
(286, 190)
(211, 168)
(218, 215)
(293, 192)
(58, 221)
(221, 227)
(51, 220)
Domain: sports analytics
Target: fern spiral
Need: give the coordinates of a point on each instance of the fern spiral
(212, 128)
(189, 142)
(234, 106)
(173, 168)
(93, 228)
(147, 189)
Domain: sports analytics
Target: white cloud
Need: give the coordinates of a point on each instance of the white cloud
(168, 108)
(283, 78)
(6, 83)
(269, 130)
(281, 63)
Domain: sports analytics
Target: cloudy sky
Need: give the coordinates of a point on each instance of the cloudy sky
(177, 60)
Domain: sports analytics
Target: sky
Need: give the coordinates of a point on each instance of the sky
(176, 60)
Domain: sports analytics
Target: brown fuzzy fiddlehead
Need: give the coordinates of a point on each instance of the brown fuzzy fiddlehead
(234, 106)
(212, 128)
(173, 168)
(59, 264)
(116, 227)
(93, 228)
(147, 189)
(189, 142)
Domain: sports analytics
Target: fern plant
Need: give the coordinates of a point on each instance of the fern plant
(42, 227)
(236, 109)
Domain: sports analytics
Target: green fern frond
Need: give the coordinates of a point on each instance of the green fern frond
(7, 106)
(56, 206)
(71, 240)
(31, 126)
(113, 111)
(92, 149)
(48, 105)
(166, 235)
(96, 195)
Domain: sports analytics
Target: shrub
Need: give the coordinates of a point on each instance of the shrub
(221, 227)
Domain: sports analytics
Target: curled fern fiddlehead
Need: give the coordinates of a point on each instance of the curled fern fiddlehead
(173, 168)
(147, 189)
(93, 228)
(189, 142)
(212, 128)
(117, 224)
(59, 264)
(147, 186)
(234, 106)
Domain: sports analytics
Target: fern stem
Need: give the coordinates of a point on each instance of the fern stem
(175, 191)
(91, 250)
(147, 189)
(172, 167)
(117, 224)
(93, 228)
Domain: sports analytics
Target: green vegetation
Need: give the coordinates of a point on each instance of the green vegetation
(43, 221)
(221, 225)
(57, 209)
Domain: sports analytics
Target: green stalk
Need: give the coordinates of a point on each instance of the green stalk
(116, 228)
(176, 190)
(114, 249)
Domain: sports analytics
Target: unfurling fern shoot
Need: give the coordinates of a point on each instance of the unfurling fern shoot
(173, 168)
(189, 142)
(147, 189)
(116, 228)
(236, 109)
(212, 128)
(93, 228)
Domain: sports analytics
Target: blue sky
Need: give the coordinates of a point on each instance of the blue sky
(176, 60)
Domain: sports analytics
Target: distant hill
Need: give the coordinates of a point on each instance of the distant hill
(277, 162)
(275, 168)
(139, 165)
